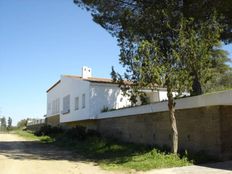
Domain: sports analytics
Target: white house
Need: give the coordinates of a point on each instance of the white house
(77, 98)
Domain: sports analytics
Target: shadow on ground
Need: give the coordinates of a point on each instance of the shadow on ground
(227, 165)
(32, 150)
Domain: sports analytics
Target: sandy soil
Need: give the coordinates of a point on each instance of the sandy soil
(19, 156)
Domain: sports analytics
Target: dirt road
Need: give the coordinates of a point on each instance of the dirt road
(19, 156)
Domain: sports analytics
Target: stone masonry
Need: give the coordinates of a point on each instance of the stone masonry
(205, 129)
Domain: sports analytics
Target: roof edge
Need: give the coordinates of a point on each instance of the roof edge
(53, 86)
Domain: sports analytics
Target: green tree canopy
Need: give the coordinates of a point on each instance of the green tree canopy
(133, 21)
(3, 123)
(160, 46)
(22, 123)
(135, 16)
(150, 66)
(9, 123)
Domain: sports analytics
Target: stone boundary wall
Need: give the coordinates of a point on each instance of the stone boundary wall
(35, 127)
(205, 129)
(53, 120)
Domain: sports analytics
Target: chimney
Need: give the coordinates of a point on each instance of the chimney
(86, 72)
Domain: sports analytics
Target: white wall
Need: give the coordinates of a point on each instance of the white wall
(97, 95)
(75, 88)
(53, 95)
(106, 95)
(163, 94)
(213, 99)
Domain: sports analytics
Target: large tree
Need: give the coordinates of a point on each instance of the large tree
(3, 123)
(151, 66)
(202, 9)
(159, 45)
(110, 13)
(136, 20)
(22, 123)
(9, 123)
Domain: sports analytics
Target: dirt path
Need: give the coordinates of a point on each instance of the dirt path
(19, 156)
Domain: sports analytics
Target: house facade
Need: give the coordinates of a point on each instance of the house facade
(74, 99)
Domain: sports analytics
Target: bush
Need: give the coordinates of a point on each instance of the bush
(93, 133)
(49, 131)
(78, 132)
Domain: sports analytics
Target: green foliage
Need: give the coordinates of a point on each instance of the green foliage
(3, 124)
(160, 46)
(219, 82)
(26, 134)
(29, 135)
(197, 47)
(46, 139)
(112, 155)
(221, 78)
(136, 18)
(48, 130)
(200, 10)
(78, 132)
(133, 21)
(188, 58)
(9, 123)
(22, 123)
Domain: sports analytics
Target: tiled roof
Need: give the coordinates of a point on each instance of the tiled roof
(90, 79)
(99, 80)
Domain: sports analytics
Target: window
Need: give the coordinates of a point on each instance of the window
(76, 103)
(83, 100)
(66, 104)
(49, 107)
(56, 106)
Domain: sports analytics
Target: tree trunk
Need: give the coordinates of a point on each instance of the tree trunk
(171, 106)
(196, 87)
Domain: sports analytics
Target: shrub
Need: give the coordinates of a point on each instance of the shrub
(75, 133)
(78, 132)
(93, 133)
(49, 130)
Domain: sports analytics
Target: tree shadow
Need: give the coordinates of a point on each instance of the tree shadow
(226, 165)
(34, 150)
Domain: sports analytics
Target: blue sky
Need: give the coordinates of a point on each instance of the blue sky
(39, 41)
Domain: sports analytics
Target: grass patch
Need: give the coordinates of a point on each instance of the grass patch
(145, 161)
(30, 136)
(113, 155)
(25, 134)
